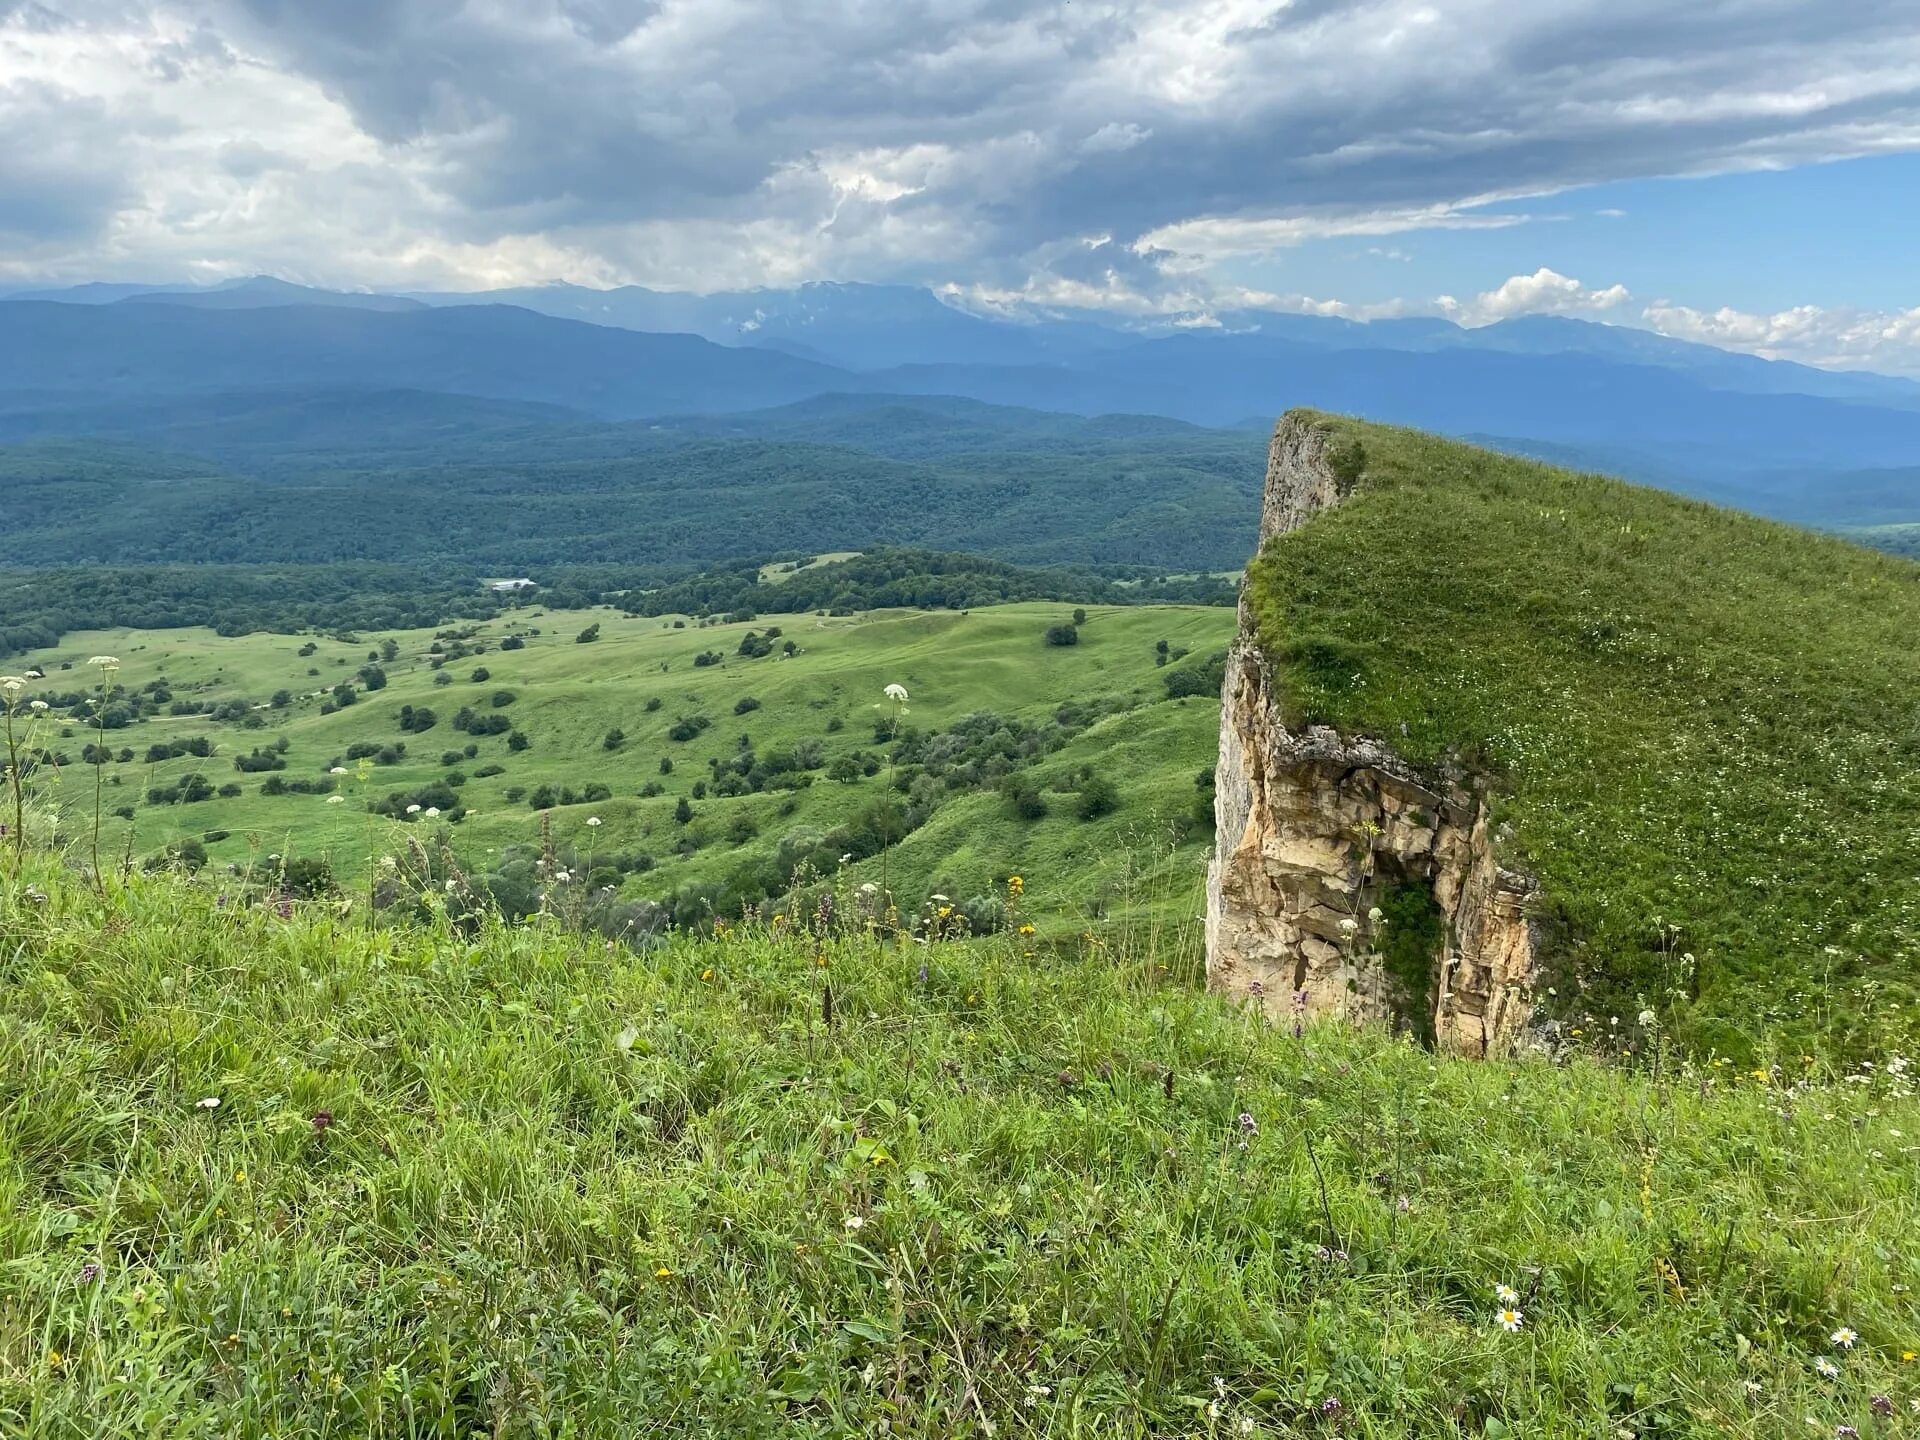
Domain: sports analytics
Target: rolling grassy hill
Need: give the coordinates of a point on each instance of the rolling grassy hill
(639, 677)
(1701, 727)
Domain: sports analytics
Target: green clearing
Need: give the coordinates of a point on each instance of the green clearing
(568, 696)
(517, 1183)
(1696, 720)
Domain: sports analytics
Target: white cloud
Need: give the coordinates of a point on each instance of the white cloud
(1841, 338)
(1545, 292)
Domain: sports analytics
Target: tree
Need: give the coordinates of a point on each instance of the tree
(1079, 617)
(588, 635)
(389, 649)
(1062, 635)
(615, 738)
(682, 811)
(517, 741)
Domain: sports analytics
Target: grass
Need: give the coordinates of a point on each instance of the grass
(1701, 727)
(518, 1184)
(570, 695)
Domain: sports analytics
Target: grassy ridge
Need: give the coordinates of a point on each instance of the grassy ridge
(570, 695)
(1702, 725)
(523, 1185)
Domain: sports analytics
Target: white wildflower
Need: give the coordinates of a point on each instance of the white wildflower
(1844, 1338)
(1647, 1019)
(593, 822)
(1826, 1369)
(897, 694)
(1510, 1320)
(336, 799)
(212, 1102)
(432, 810)
(413, 809)
(1506, 1294)
(855, 1222)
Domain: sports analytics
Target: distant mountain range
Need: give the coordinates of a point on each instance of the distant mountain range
(254, 372)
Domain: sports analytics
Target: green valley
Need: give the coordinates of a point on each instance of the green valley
(519, 734)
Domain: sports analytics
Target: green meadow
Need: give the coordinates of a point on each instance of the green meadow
(639, 677)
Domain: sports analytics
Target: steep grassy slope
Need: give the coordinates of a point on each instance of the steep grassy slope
(1703, 727)
(267, 1175)
(566, 697)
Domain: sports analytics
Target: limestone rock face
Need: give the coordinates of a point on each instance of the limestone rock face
(1313, 829)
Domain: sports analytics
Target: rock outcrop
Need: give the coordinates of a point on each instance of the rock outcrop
(1314, 830)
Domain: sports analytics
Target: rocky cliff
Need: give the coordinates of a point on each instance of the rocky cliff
(1325, 843)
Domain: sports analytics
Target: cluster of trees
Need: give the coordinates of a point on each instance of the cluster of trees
(915, 579)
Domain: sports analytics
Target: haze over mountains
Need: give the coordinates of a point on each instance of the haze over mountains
(267, 378)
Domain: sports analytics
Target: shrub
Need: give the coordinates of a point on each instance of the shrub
(1062, 635)
(745, 704)
(588, 635)
(480, 675)
(517, 742)
(1097, 797)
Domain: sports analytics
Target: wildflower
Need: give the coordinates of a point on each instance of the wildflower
(1826, 1369)
(1647, 1019)
(1026, 930)
(413, 809)
(1506, 1294)
(55, 1359)
(89, 1272)
(1246, 1425)
(338, 770)
(1037, 1393)
(322, 1121)
(855, 1222)
(1881, 1405)
(896, 693)
(593, 822)
(1844, 1431)
(1510, 1320)
(432, 811)
(1330, 1407)
(388, 862)
(1376, 916)
(1754, 1387)
(1349, 925)
(707, 974)
(212, 1102)
(663, 1273)
(39, 707)
(1907, 1357)
(336, 799)
(1844, 1338)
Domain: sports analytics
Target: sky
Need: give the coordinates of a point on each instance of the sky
(1742, 172)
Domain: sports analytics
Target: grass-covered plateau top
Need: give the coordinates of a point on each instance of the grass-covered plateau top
(1702, 728)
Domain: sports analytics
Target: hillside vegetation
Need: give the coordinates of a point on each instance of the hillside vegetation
(263, 1173)
(682, 768)
(1701, 727)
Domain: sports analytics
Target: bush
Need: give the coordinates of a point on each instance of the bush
(502, 698)
(517, 742)
(480, 675)
(1097, 797)
(588, 635)
(613, 739)
(1023, 797)
(745, 704)
(1062, 635)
